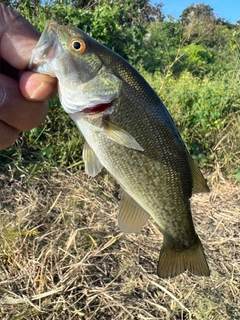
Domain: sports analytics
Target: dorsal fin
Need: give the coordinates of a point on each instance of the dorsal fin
(132, 216)
(92, 164)
(199, 183)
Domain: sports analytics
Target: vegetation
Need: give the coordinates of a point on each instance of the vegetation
(63, 257)
(61, 253)
(192, 63)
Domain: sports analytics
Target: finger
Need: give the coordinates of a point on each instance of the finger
(8, 135)
(36, 86)
(18, 37)
(17, 111)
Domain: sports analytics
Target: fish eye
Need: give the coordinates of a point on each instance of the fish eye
(78, 45)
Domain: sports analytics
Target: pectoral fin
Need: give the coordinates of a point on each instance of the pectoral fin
(199, 183)
(92, 164)
(131, 217)
(119, 135)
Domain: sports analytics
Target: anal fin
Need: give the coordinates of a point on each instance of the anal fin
(92, 164)
(132, 216)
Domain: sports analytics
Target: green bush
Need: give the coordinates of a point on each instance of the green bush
(201, 108)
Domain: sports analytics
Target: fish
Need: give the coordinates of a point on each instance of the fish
(128, 131)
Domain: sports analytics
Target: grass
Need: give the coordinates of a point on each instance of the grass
(63, 256)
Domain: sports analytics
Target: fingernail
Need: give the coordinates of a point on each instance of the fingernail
(43, 91)
(3, 94)
(37, 91)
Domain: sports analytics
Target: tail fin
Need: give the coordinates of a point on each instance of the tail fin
(173, 262)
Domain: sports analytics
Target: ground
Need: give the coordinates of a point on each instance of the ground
(62, 255)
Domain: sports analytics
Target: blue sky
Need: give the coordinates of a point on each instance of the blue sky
(227, 9)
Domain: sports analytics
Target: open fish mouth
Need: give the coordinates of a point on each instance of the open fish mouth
(99, 108)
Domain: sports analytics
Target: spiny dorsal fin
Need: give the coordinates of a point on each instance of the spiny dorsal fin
(131, 217)
(92, 164)
(119, 135)
(174, 262)
(199, 183)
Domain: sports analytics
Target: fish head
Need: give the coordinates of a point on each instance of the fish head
(85, 84)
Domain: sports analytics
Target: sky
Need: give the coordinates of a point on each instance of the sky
(227, 9)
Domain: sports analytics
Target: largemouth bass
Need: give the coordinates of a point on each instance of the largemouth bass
(127, 130)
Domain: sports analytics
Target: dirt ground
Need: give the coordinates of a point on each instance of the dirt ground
(62, 255)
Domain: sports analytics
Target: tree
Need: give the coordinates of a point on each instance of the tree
(199, 24)
(199, 12)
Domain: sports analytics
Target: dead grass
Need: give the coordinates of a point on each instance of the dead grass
(63, 257)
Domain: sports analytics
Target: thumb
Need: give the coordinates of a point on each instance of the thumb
(37, 87)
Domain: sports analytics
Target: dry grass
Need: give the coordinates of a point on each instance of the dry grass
(63, 257)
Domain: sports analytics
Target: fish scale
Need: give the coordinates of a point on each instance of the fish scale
(128, 130)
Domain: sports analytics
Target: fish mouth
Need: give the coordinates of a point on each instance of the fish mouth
(45, 49)
(52, 26)
(99, 108)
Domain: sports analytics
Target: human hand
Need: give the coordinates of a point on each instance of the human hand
(23, 94)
